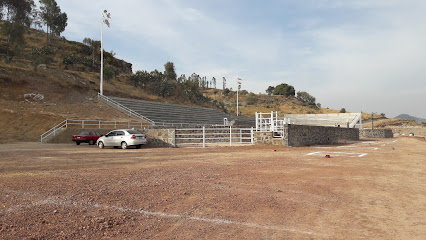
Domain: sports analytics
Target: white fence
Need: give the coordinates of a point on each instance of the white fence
(270, 122)
(92, 124)
(210, 136)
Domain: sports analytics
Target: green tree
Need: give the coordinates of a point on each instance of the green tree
(284, 89)
(17, 16)
(270, 90)
(226, 91)
(343, 110)
(52, 17)
(169, 71)
(141, 78)
(108, 74)
(306, 97)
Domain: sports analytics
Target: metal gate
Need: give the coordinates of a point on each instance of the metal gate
(204, 136)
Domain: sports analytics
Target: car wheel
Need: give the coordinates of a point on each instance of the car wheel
(123, 145)
(101, 145)
(91, 142)
(138, 146)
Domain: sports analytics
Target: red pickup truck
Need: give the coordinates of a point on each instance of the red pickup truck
(86, 137)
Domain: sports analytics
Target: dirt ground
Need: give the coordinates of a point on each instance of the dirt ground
(370, 189)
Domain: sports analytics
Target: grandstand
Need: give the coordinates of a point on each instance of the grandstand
(173, 114)
(349, 120)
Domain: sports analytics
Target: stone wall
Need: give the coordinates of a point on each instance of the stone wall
(263, 137)
(302, 135)
(161, 137)
(376, 133)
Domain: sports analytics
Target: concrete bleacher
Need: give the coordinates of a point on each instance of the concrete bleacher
(164, 113)
(328, 120)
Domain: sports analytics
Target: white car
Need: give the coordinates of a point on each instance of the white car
(122, 138)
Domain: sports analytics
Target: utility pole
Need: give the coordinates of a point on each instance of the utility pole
(238, 89)
(105, 16)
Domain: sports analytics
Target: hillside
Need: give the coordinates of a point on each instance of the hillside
(408, 117)
(66, 75)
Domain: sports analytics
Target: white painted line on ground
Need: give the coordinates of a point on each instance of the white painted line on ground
(338, 154)
(67, 203)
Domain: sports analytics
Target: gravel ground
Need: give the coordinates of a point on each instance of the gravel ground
(369, 189)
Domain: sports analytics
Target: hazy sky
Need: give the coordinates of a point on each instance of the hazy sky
(364, 55)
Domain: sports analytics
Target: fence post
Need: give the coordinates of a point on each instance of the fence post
(99, 124)
(230, 135)
(204, 136)
(241, 136)
(66, 123)
(252, 137)
(115, 124)
(82, 124)
(128, 124)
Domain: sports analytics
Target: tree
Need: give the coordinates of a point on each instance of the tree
(52, 17)
(284, 89)
(343, 110)
(226, 91)
(17, 16)
(270, 90)
(141, 78)
(306, 97)
(95, 46)
(108, 73)
(169, 71)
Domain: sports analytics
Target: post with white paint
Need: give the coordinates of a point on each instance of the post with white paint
(105, 16)
(257, 122)
(272, 121)
(252, 137)
(204, 136)
(230, 135)
(82, 124)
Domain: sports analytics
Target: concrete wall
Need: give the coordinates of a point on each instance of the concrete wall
(376, 133)
(302, 135)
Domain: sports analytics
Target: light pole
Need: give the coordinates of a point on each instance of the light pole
(238, 89)
(105, 16)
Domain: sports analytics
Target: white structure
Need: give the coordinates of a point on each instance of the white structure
(105, 16)
(271, 122)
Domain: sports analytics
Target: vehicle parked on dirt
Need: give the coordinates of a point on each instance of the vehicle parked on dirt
(89, 137)
(122, 138)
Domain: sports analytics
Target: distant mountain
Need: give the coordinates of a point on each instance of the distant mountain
(408, 117)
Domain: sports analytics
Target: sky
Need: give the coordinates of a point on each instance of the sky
(361, 55)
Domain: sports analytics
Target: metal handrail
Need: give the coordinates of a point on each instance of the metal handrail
(53, 130)
(123, 108)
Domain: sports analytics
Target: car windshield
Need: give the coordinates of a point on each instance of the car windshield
(84, 133)
(133, 131)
